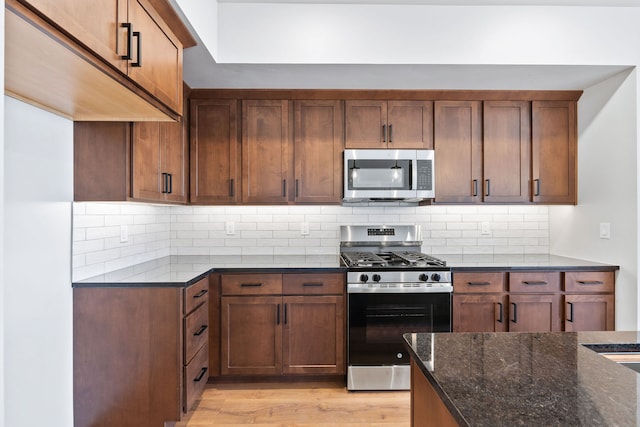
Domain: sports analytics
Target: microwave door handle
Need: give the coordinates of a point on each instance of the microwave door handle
(413, 174)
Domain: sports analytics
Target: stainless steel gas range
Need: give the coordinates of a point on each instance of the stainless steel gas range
(392, 289)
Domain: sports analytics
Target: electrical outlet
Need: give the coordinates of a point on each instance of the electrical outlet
(230, 226)
(605, 230)
(304, 229)
(485, 228)
(124, 233)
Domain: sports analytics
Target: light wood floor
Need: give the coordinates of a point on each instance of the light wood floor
(297, 404)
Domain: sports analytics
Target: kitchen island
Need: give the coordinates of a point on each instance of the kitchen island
(526, 379)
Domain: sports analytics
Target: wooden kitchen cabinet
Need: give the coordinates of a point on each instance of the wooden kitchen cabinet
(140, 354)
(318, 145)
(458, 151)
(479, 302)
(128, 34)
(392, 124)
(554, 143)
(534, 301)
(589, 301)
(266, 152)
(215, 152)
(282, 324)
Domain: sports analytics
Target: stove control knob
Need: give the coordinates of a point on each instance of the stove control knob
(435, 277)
(423, 277)
(364, 278)
(376, 277)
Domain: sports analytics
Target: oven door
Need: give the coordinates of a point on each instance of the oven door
(377, 321)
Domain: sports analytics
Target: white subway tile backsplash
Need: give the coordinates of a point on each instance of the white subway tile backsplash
(160, 230)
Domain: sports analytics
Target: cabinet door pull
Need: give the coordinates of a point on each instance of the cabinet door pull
(514, 318)
(127, 56)
(590, 282)
(500, 312)
(200, 294)
(475, 187)
(278, 314)
(200, 375)
(170, 180)
(165, 183)
(536, 191)
(535, 283)
(310, 285)
(250, 285)
(384, 133)
(232, 188)
(138, 37)
(285, 313)
(284, 188)
(478, 283)
(390, 134)
(487, 187)
(570, 319)
(296, 188)
(200, 331)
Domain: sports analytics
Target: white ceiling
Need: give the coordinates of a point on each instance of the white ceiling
(201, 70)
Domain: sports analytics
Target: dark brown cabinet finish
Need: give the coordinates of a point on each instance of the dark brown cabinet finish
(389, 124)
(534, 313)
(554, 151)
(215, 152)
(266, 148)
(506, 151)
(318, 144)
(458, 151)
(479, 302)
(282, 324)
(589, 301)
(427, 408)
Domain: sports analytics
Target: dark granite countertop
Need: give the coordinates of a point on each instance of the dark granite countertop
(529, 379)
(521, 262)
(184, 270)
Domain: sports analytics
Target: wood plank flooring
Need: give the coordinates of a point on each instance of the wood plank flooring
(297, 404)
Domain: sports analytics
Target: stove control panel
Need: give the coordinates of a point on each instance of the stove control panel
(404, 276)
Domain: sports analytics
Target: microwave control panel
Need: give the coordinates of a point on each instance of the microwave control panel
(425, 174)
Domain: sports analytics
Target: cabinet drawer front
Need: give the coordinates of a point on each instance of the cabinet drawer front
(589, 281)
(196, 331)
(196, 375)
(478, 282)
(313, 284)
(196, 294)
(535, 282)
(252, 284)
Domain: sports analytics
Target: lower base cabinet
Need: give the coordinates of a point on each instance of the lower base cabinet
(282, 324)
(140, 354)
(427, 409)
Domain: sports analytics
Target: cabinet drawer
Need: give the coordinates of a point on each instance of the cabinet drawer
(196, 375)
(313, 284)
(589, 281)
(535, 282)
(252, 284)
(196, 294)
(196, 331)
(478, 282)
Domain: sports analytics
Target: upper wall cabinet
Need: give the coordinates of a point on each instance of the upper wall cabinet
(111, 60)
(389, 124)
(554, 148)
(215, 152)
(318, 146)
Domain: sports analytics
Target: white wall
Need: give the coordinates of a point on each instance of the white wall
(2, 334)
(607, 190)
(38, 173)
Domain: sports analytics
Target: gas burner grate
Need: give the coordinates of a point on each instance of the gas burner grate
(363, 259)
(418, 258)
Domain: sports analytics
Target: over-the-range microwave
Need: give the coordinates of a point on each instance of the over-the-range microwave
(371, 176)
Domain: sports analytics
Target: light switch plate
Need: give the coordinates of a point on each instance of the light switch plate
(304, 228)
(485, 228)
(605, 230)
(230, 227)
(124, 233)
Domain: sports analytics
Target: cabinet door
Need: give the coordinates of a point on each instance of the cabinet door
(458, 151)
(95, 24)
(174, 157)
(147, 179)
(366, 123)
(506, 151)
(589, 312)
(554, 146)
(251, 334)
(479, 313)
(410, 124)
(157, 55)
(318, 145)
(534, 313)
(313, 335)
(215, 151)
(265, 152)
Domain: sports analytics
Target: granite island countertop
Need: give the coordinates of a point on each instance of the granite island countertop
(529, 379)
